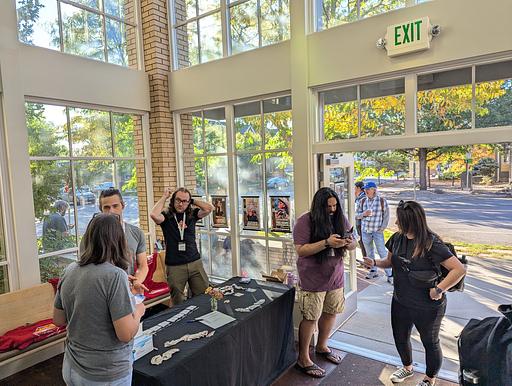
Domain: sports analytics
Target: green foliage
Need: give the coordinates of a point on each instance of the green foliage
(485, 167)
(28, 14)
(50, 268)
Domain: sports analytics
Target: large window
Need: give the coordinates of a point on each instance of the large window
(264, 178)
(367, 110)
(100, 30)
(455, 99)
(263, 142)
(330, 13)
(75, 153)
(201, 34)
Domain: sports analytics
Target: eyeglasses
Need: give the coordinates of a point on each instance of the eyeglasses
(178, 201)
(118, 217)
(404, 204)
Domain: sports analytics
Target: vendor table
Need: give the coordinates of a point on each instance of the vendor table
(252, 350)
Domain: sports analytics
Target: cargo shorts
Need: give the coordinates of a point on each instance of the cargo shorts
(312, 304)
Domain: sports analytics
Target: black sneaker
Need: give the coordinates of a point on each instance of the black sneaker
(401, 375)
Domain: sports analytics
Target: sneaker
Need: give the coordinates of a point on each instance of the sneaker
(425, 382)
(371, 275)
(401, 375)
(390, 280)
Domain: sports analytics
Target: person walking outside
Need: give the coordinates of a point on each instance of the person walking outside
(416, 254)
(182, 257)
(359, 193)
(373, 210)
(94, 300)
(321, 237)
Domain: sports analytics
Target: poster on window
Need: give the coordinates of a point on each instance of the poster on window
(251, 206)
(200, 222)
(220, 219)
(280, 212)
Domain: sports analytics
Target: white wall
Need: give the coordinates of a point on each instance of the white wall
(470, 28)
(248, 74)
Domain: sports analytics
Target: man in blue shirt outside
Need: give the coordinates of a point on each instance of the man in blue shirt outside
(374, 214)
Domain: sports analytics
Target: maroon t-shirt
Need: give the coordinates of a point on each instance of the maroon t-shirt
(313, 275)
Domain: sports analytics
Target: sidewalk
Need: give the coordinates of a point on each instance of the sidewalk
(487, 286)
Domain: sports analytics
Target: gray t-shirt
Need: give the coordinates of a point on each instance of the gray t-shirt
(136, 242)
(92, 297)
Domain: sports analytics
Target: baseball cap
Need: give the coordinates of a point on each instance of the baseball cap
(370, 185)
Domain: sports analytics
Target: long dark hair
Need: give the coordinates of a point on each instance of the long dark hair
(104, 241)
(411, 219)
(322, 223)
(172, 210)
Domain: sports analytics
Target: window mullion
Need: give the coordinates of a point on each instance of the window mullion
(224, 20)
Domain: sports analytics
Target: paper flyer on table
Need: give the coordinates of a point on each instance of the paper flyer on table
(215, 319)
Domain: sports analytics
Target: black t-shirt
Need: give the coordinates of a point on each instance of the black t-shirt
(173, 256)
(404, 292)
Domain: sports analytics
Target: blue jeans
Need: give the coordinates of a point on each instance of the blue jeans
(377, 238)
(73, 378)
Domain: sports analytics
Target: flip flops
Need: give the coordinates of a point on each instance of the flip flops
(308, 370)
(330, 356)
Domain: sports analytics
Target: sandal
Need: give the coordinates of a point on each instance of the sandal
(330, 356)
(308, 370)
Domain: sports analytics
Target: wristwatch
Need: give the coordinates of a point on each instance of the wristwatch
(439, 291)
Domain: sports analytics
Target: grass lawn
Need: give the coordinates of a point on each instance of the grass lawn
(474, 250)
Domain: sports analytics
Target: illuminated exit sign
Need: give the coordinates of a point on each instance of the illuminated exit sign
(411, 36)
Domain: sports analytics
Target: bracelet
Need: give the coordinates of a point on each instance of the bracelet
(326, 243)
(374, 263)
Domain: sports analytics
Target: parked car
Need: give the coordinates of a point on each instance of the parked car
(102, 186)
(84, 196)
(277, 182)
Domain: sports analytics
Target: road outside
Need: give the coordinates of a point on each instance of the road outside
(458, 215)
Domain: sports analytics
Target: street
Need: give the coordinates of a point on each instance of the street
(458, 215)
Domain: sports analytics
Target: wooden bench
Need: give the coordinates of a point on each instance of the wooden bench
(33, 304)
(22, 307)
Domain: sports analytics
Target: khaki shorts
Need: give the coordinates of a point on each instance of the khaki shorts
(312, 304)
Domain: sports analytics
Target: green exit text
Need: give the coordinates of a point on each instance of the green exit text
(407, 33)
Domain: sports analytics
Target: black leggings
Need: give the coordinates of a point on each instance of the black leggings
(428, 324)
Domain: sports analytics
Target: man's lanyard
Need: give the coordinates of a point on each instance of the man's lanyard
(181, 229)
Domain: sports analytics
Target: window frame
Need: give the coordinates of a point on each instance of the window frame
(143, 116)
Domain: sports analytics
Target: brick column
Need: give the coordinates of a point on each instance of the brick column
(157, 62)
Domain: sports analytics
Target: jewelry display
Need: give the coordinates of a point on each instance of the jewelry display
(158, 359)
(251, 307)
(173, 319)
(187, 338)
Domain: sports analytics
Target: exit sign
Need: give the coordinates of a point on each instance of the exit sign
(411, 36)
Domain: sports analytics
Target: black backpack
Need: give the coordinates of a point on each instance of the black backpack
(444, 272)
(485, 350)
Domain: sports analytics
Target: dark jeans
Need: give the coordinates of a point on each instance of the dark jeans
(428, 324)
(361, 245)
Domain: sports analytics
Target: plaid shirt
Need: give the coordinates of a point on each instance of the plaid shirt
(379, 220)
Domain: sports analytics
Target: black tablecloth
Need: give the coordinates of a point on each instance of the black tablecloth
(253, 350)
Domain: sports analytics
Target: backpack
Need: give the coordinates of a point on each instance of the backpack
(363, 200)
(444, 272)
(485, 350)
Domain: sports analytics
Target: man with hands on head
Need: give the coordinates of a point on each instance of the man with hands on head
(321, 237)
(182, 258)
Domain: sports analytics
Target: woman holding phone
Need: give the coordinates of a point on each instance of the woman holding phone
(416, 252)
(94, 300)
